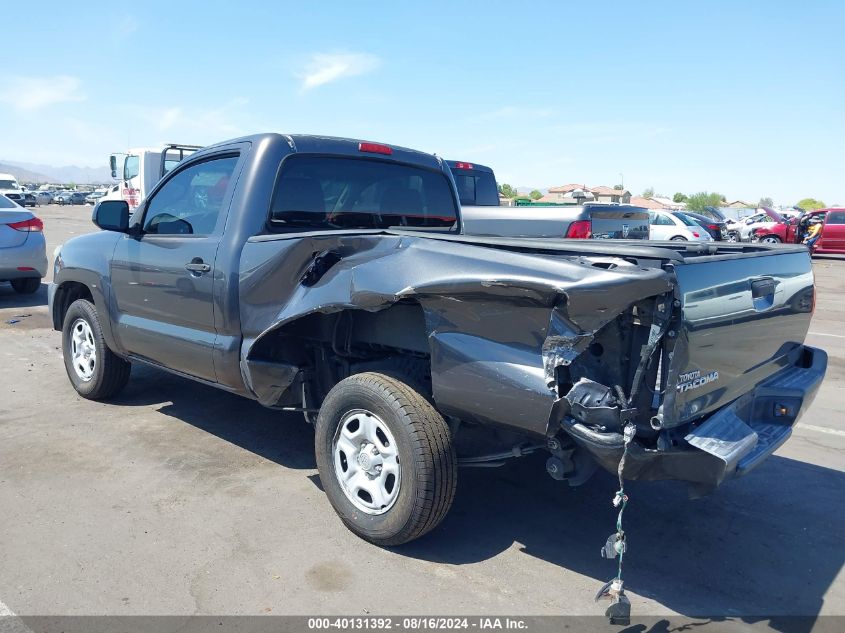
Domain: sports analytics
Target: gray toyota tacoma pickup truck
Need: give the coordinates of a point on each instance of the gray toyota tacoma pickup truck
(331, 276)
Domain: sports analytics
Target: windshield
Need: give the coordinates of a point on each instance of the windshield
(323, 192)
(686, 219)
(8, 184)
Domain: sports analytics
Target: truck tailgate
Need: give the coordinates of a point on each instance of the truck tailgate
(744, 319)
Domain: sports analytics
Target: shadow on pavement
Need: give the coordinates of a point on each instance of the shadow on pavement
(278, 436)
(11, 299)
(768, 544)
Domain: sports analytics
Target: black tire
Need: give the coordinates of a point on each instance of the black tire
(110, 373)
(679, 238)
(770, 239)
(27, 286)
(428, 474)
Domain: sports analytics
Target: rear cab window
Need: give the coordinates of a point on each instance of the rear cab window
(315, 192)
(476, 187)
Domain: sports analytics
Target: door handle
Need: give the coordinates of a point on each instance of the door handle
(197, 266)
(763, 293)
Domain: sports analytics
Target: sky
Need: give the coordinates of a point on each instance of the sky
(743, 98)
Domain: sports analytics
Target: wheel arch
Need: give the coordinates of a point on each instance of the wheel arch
(350, 340)
(65, 294)
(70, 289)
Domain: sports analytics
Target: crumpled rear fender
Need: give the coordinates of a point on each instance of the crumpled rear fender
(498, 321)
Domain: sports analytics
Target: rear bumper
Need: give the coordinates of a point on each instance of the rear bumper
(32, 254)
(729, 443)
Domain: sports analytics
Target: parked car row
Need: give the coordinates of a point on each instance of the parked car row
(37, 198)
(793, 230)
(69, 197)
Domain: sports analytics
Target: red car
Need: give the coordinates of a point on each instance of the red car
(791, 231)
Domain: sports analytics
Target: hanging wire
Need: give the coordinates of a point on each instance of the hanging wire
(620, 499)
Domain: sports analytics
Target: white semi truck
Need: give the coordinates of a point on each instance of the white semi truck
(140, 168)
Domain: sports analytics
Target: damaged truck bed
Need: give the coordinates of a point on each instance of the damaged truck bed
(331, 276)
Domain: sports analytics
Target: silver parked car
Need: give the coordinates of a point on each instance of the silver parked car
(23, 251)
(44, 197)
(666, 225)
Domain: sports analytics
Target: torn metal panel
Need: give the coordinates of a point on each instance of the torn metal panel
(268, 380)
(498, 320)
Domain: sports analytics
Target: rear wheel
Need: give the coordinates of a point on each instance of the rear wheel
(26, 286)
(385, 458)
(679, 238)
(94, 370)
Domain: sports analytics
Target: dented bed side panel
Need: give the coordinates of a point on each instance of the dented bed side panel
(497, 320)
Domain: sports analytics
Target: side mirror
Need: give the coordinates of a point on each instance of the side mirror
(113, 166)
(112, 215)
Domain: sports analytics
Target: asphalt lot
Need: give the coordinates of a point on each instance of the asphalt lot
(180, 499)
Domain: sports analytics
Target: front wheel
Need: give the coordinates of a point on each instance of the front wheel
(94, 370)
(386, 459)
(770, 239)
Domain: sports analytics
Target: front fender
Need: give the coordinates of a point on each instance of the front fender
(86, 260)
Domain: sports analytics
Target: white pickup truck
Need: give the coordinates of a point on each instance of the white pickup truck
(482, 215)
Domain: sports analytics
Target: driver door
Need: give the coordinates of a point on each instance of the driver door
(162, 280)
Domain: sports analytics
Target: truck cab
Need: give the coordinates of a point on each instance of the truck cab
(9, 184)
(140, 168)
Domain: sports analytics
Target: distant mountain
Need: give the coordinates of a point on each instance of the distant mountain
(23, 175)
(29, 172)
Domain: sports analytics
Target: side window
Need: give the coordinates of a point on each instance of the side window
(662, 220)
(131, 167)
(836, 217)
(191, 201)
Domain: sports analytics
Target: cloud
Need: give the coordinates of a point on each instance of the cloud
(169, 118)
(197, 124)
(508, 112)
(324, 68)
(33, 93)
(126, 26)
(609, 129)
